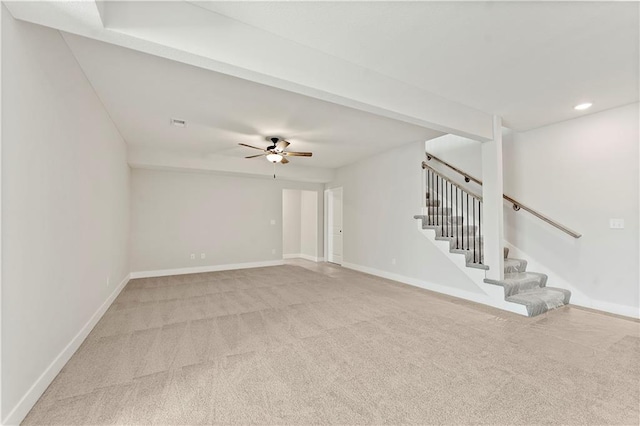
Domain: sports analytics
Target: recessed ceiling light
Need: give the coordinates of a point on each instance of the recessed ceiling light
(178, 123)
(582, 107)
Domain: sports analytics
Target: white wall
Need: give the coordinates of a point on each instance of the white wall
(309, 223)
(291, 222)
(381, 194)
(462, 152)
(581, 173)
(65, 210)
(227, 217)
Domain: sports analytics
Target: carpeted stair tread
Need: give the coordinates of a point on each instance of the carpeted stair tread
(477, 266)
(541, 300)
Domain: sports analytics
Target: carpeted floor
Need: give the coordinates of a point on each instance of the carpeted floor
(318, 344)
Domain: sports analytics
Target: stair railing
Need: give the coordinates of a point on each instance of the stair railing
(515, 204)
(455, 213)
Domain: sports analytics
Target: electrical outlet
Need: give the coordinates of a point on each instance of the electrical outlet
(273, 221)
(273, 251)
(393, 261)
(616, 223)
(202, 256)
(193, 256)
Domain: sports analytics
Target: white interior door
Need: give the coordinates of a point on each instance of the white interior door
(335, 226)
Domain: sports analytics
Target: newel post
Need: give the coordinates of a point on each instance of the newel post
(492, 211)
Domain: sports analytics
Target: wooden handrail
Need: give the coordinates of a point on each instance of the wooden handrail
(516, 204)
(473, 194)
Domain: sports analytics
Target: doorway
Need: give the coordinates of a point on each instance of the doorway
(300, 224)
(333, 203)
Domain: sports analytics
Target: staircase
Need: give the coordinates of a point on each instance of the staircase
(453, 213)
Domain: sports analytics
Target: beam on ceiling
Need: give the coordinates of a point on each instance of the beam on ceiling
(184, 32)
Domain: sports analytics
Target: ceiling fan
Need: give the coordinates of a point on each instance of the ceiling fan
(275, 152)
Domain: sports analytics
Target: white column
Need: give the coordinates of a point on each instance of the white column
(492, 213)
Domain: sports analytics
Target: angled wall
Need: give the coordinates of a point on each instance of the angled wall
(65, 211)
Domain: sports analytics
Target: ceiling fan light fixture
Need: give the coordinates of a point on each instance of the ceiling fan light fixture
(274, 158)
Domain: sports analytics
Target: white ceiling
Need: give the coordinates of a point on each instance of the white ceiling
(143, 92)
(342, 79)
(529, 62)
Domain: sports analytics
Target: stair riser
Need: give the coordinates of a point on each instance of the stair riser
(446, 211)
(537, 305)
(466, 243)
(453, 231)
(514, 265)
(522, 287)
(472, 257)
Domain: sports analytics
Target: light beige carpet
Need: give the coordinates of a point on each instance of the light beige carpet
(287, 345)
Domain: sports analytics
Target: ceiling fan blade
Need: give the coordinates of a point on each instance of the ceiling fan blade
(297, 154)
(249, 146)
(284, 160)
(282, 145)
(254, 156)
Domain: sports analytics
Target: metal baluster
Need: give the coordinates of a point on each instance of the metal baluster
(474, 226)
(462, 214)
(431, 220)
(431, 197)
(468, 221)
(427, 197)
(479, 232)
(441, 192)
(448, 224)
(457, 224)
(450, 218)
(435, 207)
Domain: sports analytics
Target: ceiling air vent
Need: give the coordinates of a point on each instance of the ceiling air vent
(178, 123)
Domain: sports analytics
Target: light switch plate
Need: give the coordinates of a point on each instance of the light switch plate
(616, 223)
(273, 221)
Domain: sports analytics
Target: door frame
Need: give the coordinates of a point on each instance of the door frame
(328, 240)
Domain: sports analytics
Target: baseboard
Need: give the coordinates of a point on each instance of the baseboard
(611, 308)
(481, 298)
(19, 412)
(200, 269)
(303, 256)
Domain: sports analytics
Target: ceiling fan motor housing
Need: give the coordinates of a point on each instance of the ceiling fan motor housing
(274, 141)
